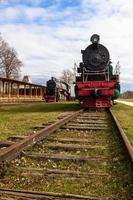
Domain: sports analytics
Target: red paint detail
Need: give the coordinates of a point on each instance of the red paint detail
(96, 93)
(50, 98)
(109, 92)
(96, 103)
(96, 84)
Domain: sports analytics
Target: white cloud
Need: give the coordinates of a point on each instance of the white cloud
(127, 79)
(52, 46)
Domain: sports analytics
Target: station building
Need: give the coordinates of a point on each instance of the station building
(14, 90)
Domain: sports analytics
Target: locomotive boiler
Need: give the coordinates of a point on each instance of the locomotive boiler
(96, 85)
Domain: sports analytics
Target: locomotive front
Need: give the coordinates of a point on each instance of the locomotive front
(96, 85)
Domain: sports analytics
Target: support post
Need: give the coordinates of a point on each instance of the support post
(41, 92)
(9, 89)
(36, 92)
(24, 91)
(18, 90)
(30, 91)
(3, 88)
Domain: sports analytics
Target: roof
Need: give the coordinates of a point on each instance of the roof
(21, 82)
(26, 79)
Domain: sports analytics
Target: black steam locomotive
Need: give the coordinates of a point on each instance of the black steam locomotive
(96, 84)
(57, 90)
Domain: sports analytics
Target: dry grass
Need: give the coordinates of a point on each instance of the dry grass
(16, 120)
(124, 115)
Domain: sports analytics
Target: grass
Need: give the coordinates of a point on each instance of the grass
(124, 115)
(18, 119)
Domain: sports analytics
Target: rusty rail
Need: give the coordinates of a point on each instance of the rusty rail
(123, 137)
(14, 150)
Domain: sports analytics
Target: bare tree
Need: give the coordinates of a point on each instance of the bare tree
(67, 76)
(1, 45)
(9, 61)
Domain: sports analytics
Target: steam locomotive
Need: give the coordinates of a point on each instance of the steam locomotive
(96, 85)
(57, 90)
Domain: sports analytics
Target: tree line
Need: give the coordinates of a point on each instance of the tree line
(10, 64)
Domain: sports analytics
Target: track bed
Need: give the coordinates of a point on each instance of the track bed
(83, 159)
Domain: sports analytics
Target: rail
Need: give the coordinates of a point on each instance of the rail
(14, 150)
(123, 137)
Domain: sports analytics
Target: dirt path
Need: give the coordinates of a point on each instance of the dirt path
(125, 102)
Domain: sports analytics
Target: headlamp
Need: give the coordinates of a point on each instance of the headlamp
(95, 39)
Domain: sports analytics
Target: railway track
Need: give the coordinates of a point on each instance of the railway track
(84, 155)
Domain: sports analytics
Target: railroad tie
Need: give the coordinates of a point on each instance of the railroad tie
(84, 127)
(6, 143)
(47, 195)
(40, 127)
(17, 137)
(88, 124)
(89, 121)
(64, 157)
(91, 117)
(72, 146)
(75, 140)
(58, 173)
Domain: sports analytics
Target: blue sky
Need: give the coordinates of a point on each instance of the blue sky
(63, 11)
(49, 34)
(42, 3)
